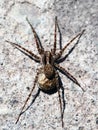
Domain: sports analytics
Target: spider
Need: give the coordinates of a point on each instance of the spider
(47, 76)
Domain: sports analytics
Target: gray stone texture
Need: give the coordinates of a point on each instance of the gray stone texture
(17, 71)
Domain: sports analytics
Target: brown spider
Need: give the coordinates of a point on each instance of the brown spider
(47, 76)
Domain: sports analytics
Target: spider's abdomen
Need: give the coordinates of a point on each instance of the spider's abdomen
(46, 84)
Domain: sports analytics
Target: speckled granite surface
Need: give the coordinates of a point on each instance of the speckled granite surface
(17, 71)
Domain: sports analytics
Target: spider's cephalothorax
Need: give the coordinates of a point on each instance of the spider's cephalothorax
(48, 64)
(47, 76)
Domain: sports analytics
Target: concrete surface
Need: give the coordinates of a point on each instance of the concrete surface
(17, 71)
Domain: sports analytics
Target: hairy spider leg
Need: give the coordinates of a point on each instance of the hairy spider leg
(57, 85)
(55, 36)
(23, 49)
(60, 36)
(39, 48)
(63, 49)
(68, 75)
(35, 81)
(38, 92)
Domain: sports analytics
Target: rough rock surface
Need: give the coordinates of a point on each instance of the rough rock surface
(17, 71)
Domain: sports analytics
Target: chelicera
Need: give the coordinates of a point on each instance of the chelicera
(47, 76)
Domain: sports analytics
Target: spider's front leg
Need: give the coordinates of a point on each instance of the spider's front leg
(62, 70)
(25, 51)
(37, 40)
(59, 54)
(55, 36)
(35, 81)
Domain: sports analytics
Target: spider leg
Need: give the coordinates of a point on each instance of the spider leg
(57, 85)
(32, 101)
(39, 48)
(65, 72)
(60, 36)
(35, 81)
(63, 49)
(55, 36)
(25, 51)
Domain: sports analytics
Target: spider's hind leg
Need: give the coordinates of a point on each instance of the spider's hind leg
(60, 101)
(35, 81)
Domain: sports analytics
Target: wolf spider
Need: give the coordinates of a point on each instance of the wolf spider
(47, 76)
